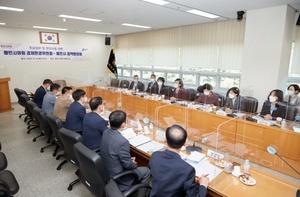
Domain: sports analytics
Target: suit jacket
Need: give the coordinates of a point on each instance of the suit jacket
(75, 116)
(61, 107)
(152, 88)
(210, 99)
(234, 105)
(93, 127)
(48, 102)
(115, 152)
(140, 86)
(39, 96)
(279, 112)
(172, 176)
(181, 94)
(162, 90)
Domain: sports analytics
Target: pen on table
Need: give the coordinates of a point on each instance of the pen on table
(206, 175)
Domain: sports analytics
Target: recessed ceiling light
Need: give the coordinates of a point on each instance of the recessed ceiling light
(201, 13)
(11, 9)
(139, 26)
(79, 18)
(51, 28)
(158, 2)
(2, 23)
(95, 32)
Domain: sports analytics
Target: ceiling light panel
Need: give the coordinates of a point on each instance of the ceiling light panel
(138, 26)
(11, 9)
(79, 18)
(95, 32)
(50, 28)
(157, 2)
(2, 23)
(201, 13)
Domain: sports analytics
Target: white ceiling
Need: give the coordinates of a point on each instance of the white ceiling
(115, 12)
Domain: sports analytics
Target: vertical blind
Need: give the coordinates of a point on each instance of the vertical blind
(210, 45)
(295, 61)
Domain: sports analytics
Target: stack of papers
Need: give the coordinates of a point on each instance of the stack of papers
(151, 146)
(195, 157)
(139, 140)
(204, 167)
(128, 133)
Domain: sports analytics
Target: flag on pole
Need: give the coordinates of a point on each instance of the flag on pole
(111, 65)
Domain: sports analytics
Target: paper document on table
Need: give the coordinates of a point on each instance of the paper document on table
(151, 146)
(139, 140)
(204, 167)
(195, 156)
(128, 133)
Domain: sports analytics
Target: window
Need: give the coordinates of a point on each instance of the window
(228, 82)
(207, 79)
(171, 77)
(189, 79)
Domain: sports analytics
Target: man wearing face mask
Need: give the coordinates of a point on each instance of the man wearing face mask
(208, 97)
(136, 84)
(76, 111)
(93, 124)
(50, 98)
(152, 86)
(41, 91)
(292, 98)
(272, 108)
(63, 103)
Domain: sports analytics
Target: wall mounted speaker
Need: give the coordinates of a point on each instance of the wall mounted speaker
(107, 40)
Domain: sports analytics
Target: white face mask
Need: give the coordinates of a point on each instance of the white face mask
(231, 96)
(57, 93)
(206, 93)
(290, 92)
(135, 80)
(272, 99)
(152, 80)
(85, 99)
(159, 83)
(176, 85)
(103, 108)
(48, 88)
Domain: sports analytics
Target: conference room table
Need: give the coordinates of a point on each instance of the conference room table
(234, 135)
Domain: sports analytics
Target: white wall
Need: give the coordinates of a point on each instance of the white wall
(28, 75)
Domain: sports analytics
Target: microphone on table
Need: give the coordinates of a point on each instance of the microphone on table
(190, 149)
(94, 84)
(273, 151)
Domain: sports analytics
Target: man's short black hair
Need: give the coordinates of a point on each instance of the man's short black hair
(176, 139)
(161, 79)
(65, 89)
(54, 86)
(77, 94)
(117, 118)
(95, 102)
(47, 81)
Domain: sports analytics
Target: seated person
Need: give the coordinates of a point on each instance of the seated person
(233, 100)
(136, 84)
(178, 93)
(272, 108)
(172, 176)
(160, 86)
(41, 92)
(208, 97)
(93, 124)
(50, 98)
(63, 103)
(115, 152)
(293, 99)
(76, 111)
(152, 86)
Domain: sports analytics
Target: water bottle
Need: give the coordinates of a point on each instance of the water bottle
(246, 166)
(283, 124)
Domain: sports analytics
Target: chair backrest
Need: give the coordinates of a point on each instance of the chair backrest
(43, 122)
(69, 138)
(55, 124)
(291, 111)
(167, 91)
(124, 84)
(191, 94)
(61, 82)
(31, 105)
(249, 104)
(114, 82)
(91, 169)
(18, 94)
(25, 98)
(221, 99)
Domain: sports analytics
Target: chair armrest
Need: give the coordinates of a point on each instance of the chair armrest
(125, 173)
(78, 131)
(136, 188)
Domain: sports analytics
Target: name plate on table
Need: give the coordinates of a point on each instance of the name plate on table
(214, 154)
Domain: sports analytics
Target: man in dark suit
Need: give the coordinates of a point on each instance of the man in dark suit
(172, 176)
(76, 111)
(93, 124)
(136, 84)
(152, 86)
(41, 91)
(115, 152)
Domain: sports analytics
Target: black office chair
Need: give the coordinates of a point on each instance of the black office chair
(167, 90)
(55, 124)
(191, 94)
(92, 172)
(249, 104)
(114, 82)
(20, 101)
(29, 118)
(31, 105)
(3, 161)
(8, 184)
(124, 84)
(291, 111)
(221, 99)
(69, 138)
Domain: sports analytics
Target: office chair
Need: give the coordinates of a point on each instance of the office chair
(167, 90)
(44, 126)
(291, 111)
(92, 171)
(191, 94)
(20, 101)
(124, 84)
(114, 82)
(8, 184)
(55, 124)
(249, 104)
(69, 138)
(3, 161)
(29, 116)
(221, 99)
(31, 105)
